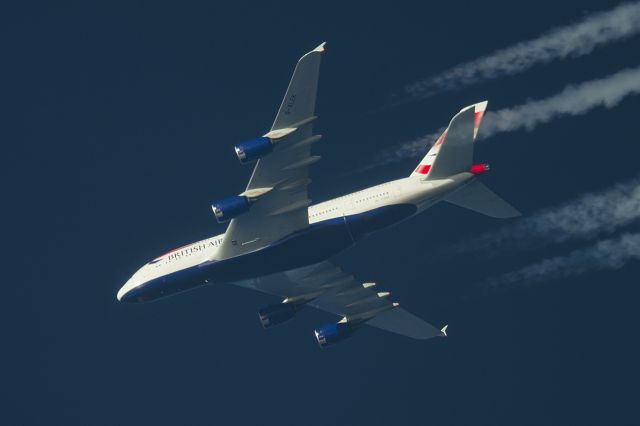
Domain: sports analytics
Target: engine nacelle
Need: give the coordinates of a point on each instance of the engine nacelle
(230, 207)
(276, 314)
(330, 334)
(253, 149)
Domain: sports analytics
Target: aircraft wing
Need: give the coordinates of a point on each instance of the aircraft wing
(280, 179)
(328, 288)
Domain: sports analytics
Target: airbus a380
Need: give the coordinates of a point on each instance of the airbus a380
(279, 243)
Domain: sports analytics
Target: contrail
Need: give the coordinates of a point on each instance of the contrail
(415, 148)
(572, 40)
(605, 254)
(585, 217)
(575, 99)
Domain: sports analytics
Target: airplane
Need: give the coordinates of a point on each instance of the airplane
(279, 243)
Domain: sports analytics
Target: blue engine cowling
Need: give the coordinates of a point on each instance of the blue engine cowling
(253, 149)
(330, 334)
(276, 314)
(230, 207)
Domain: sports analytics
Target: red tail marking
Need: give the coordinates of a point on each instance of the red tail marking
(477, 118)
(477, 169)
(423, 169)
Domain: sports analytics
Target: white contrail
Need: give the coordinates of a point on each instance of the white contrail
(588, 216)
(605, 254)
(415, 148)
(575, 99)
(573, 40)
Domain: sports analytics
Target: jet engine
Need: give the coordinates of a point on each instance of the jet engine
(276, 314)
(330, 334)
(253, 149)
(230, 207)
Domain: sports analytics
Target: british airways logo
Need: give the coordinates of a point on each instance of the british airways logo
(186, 251)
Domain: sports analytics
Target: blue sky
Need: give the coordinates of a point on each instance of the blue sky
(118, 127)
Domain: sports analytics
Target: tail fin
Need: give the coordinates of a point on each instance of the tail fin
(453, 151)
(452, 154)
(477, 197)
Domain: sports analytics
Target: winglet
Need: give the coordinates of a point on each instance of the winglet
(443, 331)
(320, 48)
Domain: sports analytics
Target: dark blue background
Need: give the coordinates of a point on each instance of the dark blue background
(117, 125)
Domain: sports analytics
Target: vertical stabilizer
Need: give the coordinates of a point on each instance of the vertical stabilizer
(453, 151)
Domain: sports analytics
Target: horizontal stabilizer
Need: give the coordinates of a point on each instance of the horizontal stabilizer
(481, 199)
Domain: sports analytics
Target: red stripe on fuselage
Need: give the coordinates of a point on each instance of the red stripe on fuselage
(169, 252)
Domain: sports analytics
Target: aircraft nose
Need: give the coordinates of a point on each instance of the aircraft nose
(125, 294)
(122, 293)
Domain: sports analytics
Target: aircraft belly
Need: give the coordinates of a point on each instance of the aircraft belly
(367, 222)
(314, 244)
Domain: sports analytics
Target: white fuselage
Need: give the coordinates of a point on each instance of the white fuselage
(411, 191)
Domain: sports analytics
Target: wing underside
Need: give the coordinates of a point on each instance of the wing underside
(327, 287)
(282, 177)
